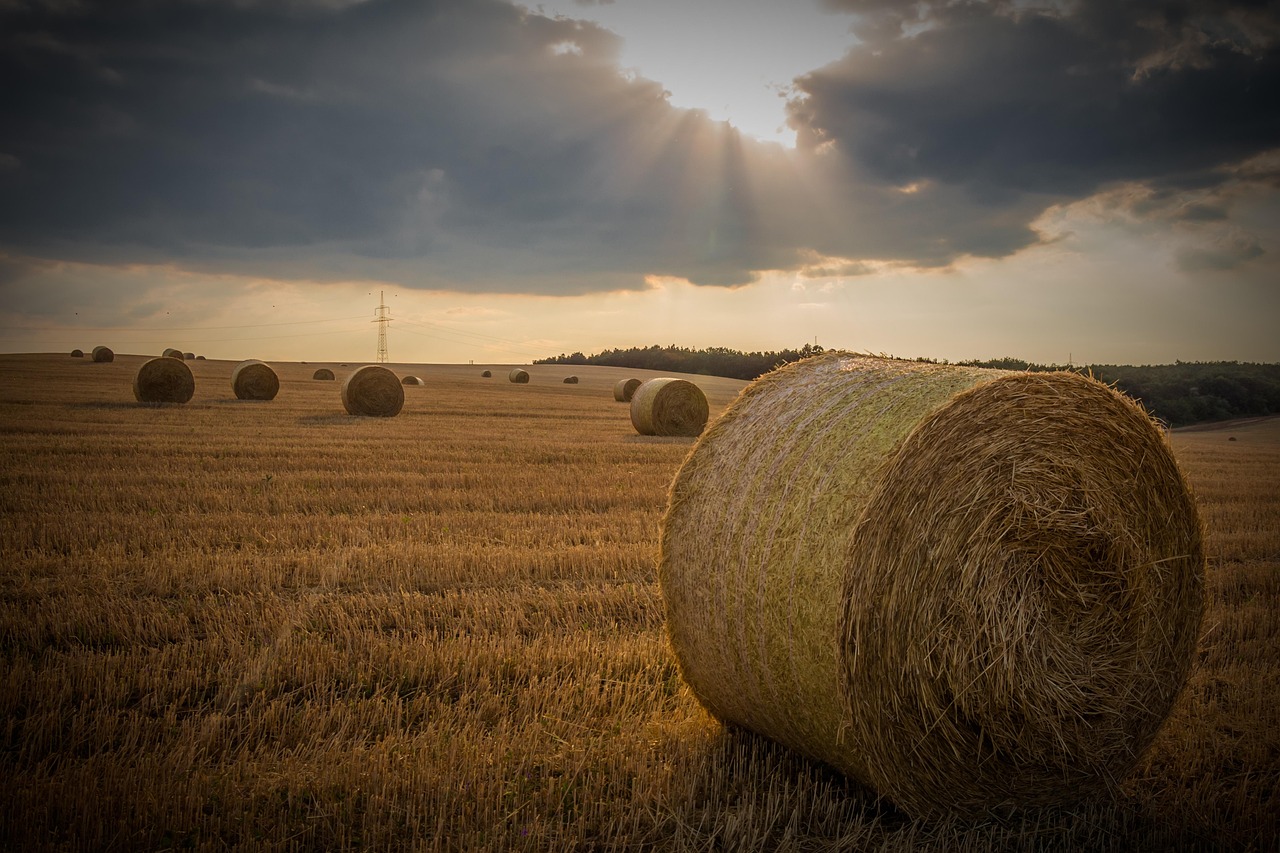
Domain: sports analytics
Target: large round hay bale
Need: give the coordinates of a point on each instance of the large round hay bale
(373, 390)
(77, 353)
(487, 374)
(164, 380)
(254, 380)
(571, 380)
(170, 352)
(625, 389)
(322, 373)
(188, 356)
(103, 354)
(968, 589)
(520, 377)
(668, 406)
(412, 380)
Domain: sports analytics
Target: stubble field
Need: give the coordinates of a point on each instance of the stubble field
(271, 625)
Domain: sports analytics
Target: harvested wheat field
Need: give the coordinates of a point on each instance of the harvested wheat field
(444, 631)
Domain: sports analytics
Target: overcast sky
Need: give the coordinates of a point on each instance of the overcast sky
(1050, 179)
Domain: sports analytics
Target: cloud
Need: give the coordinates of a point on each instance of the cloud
(472, 145)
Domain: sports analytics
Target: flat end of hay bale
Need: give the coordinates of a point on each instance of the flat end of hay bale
(103, 355)
(322, 373)
(254, 380)
(487, 374)
(518, 376)
(373, 391)
(669, 407)
(163, 380)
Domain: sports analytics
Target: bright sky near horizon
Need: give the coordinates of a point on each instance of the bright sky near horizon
(1053, 181)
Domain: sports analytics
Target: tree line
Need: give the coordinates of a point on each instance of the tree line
(1182, 393)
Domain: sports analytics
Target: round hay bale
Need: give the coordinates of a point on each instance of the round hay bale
(77, 353)
(625, 389)
(669, 406)
(164, 380)
(254, 380)
(322, 373)
(487, 374)
(970, 590)
(571, 380)
(170, 352)
(374, 391)
(518, 376)
(103, 354)
(199, 358)
(188, 356)
(412, 380)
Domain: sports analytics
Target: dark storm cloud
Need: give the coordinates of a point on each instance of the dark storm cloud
(1009, 98)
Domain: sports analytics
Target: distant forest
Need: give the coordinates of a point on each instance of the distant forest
(1179, 394)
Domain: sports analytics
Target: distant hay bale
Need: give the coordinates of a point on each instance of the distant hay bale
(164, 380)
(571, 380)
(374, 391)
(77, 353)
(170, 352)
(669, 406)
(188, 356)
(411, 380)
(254, 380)
(322, 373)
(520, 377)
(199, 358)
(625, 389)
(970, 590)
(487, 374)
(103, 354)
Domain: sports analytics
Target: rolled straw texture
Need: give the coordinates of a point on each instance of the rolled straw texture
(970, 590)
(77, 353)
(322, 373)
(411, 380)
(103, 354)
(487, 374)
(254, 380)
(170, 352)
(373, 390)
(164, 380)
(625, 389)
(669, 406)
(518, 376)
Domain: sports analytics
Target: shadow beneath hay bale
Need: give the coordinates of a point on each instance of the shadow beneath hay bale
(661, 439)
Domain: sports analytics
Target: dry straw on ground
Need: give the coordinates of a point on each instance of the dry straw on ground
(322, 373)
(411, 380)
(373, 390)
(103, 354)
(669, 406)
(625, 389)
(571, 380)
(164, 380)
(967, 589)
(254, 380)
(520, 377)
(170, 352)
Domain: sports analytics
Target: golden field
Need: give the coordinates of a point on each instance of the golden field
(270, 625)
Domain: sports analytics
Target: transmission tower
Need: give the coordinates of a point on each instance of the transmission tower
(382, 321)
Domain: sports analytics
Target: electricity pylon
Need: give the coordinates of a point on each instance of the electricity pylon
(382, 321)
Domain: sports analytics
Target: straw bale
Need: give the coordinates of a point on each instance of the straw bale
(969, 590)
(669, 406)
(77, 353)
(625, 389)
(164, 380)
(254, 380)
(487, 374)
(170, 352)
(103, 354)
(520, 377)
(199, 358)
(571, 380)
(411, 380)
(373, 390)
(322, 373)
(188, 356)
